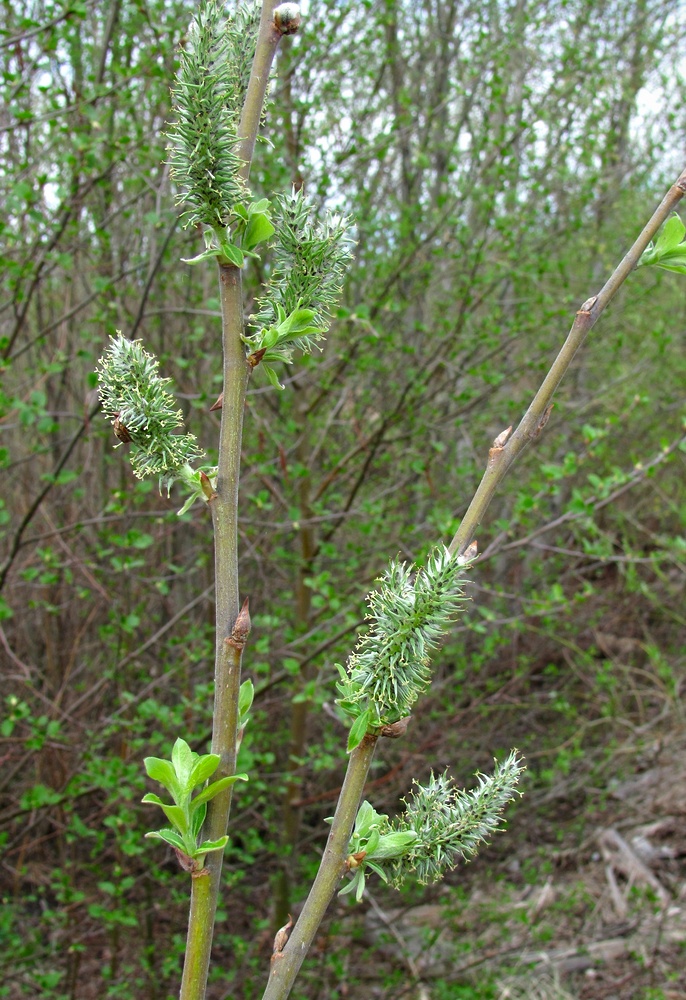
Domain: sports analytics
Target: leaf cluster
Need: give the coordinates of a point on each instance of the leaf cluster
(373, 842)
(181, 776)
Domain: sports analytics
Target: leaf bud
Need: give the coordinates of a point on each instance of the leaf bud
(396, 729)
(241, 629)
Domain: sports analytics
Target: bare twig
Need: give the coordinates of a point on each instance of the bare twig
(507, 448)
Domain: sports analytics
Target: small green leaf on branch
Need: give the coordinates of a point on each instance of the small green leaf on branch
(669, 250)
(358, 730)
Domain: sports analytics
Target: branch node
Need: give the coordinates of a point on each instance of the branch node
(256, 356)
(469, 553)
(500, 440)
(354, 861)
(545, 417)
(192, 865)
(206, 486)
(396, 729)
(587, 306)
(496, 449)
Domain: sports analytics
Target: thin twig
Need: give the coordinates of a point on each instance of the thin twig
(506, 449)
(286, 962)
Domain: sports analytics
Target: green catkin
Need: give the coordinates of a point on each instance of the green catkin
(132, 392)
(451, 823)
(410, 611)
(310, 259)
(207, 97)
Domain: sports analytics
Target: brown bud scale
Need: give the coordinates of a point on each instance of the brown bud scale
(396, 729)
(120, 431)
(241, 629)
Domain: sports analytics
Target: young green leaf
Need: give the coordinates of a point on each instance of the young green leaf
(358, 730)
(272, 376)
(669, 250)
(169, 837)
(176, 816)
(215, 788)
(376, 869)
(259, 207)
(202, 769)
(197, 819)
(152, 799)
(258, 230)
(366, 818)
(674, 262)
(205, 255)
(233, 254)
(162, 771)
(355, 884)
(183, 759)
(212, 845)
(392, 845)
(245, 700)
(671, 236)
(373, 841)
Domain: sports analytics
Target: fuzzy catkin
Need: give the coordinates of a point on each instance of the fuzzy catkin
(133, 394)
(451, 823)
(310, 261)
(410, 611)
(204, 138)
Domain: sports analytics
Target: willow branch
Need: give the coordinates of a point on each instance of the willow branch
(287, 960)
(267, 44)
(507, 449)
(205, 884)
(231, 626)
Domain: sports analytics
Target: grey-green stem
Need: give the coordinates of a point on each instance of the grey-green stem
(268, 42)
(286, 963)
(504, 453)
(227, 675)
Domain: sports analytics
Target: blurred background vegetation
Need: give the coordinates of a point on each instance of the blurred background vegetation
(498, 157)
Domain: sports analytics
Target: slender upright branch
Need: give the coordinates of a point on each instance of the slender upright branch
(200, 931)
(506, 449)
(205, 884)
(267, 44)
(230, 634)
(287, 961)
(225, 504)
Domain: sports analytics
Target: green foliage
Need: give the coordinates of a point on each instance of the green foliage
(669, 250)
(181, 776)
(372, 843)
